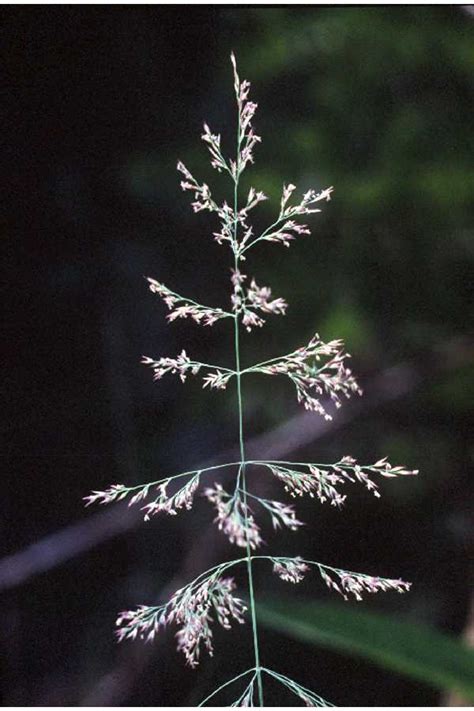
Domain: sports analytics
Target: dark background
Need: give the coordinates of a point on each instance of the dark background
(99, 103)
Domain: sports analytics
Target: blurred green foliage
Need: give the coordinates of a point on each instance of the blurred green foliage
(407, 647)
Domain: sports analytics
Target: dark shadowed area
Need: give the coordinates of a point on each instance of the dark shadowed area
(99, 104)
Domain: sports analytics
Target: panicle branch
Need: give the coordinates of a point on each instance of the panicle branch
(344, 582)
(284, 230)
(182, 365)
(305, 206)
(322, 480)
(332, 377)
(171, 504)
(193, 609)
(165, 501)
(181, 307)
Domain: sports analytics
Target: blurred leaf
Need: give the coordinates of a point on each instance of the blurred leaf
(350, 323)
(411, 649)
(456, 392)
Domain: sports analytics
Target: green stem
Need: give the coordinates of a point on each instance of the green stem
(244, 490)
(241, 475)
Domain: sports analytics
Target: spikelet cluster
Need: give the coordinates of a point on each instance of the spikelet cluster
(192, 609)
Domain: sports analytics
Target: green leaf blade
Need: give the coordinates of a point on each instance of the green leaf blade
(412, 649)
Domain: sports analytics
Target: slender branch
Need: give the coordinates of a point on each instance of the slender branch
(217, 367)
(227, 683)
(221, 567)
(262, 235)
(252, 496)
(265, 462)
(256, 368)
(314, 563)
(306, 694)
(248, 689)
(156, 286)
(127, 489)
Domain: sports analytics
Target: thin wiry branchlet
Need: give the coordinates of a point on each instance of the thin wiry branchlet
(306, 695)
(281, 514)
(246, 700)
(183, 366)
(311, 378)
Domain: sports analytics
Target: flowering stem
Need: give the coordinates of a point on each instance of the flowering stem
(241, 474)
(244, 490)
